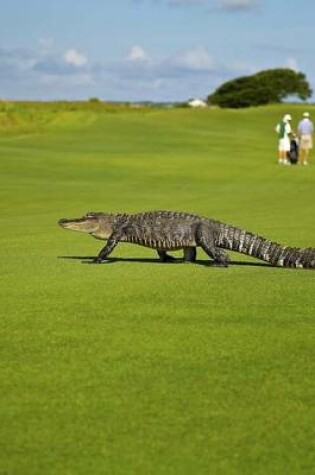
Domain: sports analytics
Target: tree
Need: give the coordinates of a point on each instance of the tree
(266, 87)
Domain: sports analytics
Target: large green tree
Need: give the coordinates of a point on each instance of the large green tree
(265, 87)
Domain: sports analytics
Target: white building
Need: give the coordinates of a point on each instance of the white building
(197, 103)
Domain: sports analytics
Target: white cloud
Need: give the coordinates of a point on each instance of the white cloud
(39, 74)
(241, 67)
(46, 43)
(226, 5)
(185, 3)
(16, 61)
(292, 64)
(237, 5)
(137, 54)
(81, 79)
(195, 59)
(42, 73)
(177, 3)
(73, 57)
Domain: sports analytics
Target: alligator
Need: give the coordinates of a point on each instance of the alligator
(171, 230)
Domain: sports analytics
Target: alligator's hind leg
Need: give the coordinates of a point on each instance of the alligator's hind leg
(164, 257)
(205, 238)
(190, 254)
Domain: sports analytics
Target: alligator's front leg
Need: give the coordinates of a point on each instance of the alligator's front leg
(205, 237)
(110, 246)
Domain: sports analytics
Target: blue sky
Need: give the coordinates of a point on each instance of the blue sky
(160, 50)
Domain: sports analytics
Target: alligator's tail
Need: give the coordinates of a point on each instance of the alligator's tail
(240, 240)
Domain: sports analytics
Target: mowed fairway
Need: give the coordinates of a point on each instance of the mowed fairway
(139, 367)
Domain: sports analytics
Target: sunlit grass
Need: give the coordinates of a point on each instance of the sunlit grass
(137, 366)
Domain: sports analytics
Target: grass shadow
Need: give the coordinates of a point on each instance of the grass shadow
(148, 260)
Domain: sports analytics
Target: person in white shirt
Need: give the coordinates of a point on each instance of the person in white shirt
(305, 132)
(284, 132)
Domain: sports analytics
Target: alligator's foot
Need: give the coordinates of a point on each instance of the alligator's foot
(169, 259)
(220, 264)
(222, 261)
(99, 260)
(164, 257)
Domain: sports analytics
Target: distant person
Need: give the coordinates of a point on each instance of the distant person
(284, 132)
(305, 133)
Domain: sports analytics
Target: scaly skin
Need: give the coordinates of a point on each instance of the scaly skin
(170, 231)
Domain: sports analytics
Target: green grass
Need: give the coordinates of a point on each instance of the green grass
(136, 366)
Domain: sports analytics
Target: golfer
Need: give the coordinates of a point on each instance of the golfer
(305, 133)
(284, 132)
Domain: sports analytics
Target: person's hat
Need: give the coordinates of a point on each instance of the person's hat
(287, 117)
(306, 115)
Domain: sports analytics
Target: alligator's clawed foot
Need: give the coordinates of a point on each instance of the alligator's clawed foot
(99, 260)
(220, 264)
(167, 258)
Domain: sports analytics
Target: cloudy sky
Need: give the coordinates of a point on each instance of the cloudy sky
(160, 50)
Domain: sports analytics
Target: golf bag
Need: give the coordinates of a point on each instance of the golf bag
(294, 151)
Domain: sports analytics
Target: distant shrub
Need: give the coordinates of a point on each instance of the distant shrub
(265, 87)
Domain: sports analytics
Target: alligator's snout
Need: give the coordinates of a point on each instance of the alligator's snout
(66, 223)
(62, 221)
(84, 224)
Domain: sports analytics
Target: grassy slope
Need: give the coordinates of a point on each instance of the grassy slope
(136, 366)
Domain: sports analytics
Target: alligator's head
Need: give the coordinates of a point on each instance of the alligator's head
(98, 225)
